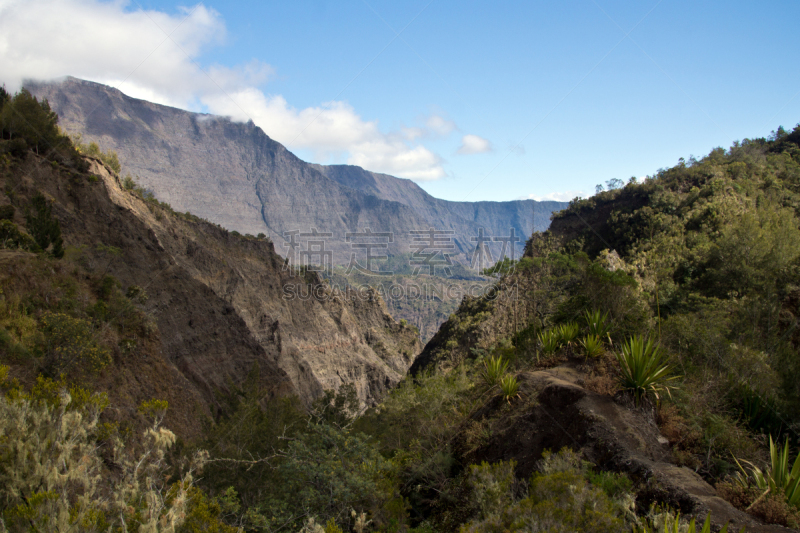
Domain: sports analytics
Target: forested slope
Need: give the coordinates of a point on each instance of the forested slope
(702, 259)
(631, 371)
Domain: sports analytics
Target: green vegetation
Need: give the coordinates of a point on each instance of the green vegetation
(550, 341)
(567, 332)
(44, 229)
(24, 117)
(494, 369)
(26, 123)
(509, 388)
(696, 268)
(597, 324)
(782, 477)
(51, 476)
(11, 237)
(643, 369)
(592, 346)
(92, 149)
(561, 497)
(674, 526)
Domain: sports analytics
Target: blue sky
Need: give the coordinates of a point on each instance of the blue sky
(474, 100)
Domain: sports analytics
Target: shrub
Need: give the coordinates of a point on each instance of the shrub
(491, 486)
(52, 477)
(7, 212)
(329, 471)
(643, 370)
(615, 485)
(761, 414)
(71, 345)
(771, 508)
(129, 183)
(11, 237)
(110, 157)
(204, 514)
(559, 499)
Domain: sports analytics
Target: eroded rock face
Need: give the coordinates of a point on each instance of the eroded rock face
(557, 411)
(220, 303)
(235, 175)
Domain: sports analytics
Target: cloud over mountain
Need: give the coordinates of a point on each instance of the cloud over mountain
(158, 57)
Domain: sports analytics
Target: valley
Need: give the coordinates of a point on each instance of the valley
(168, 364)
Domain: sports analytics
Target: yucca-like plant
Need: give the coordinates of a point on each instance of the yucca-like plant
(597, 323)
(780, 478)
(673, 526)
(494, 369)
(643, 369)
(549, 340)
(509, 387)
(592, 346)
(568, 332)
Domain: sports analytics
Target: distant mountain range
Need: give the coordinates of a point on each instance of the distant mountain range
(233, 174)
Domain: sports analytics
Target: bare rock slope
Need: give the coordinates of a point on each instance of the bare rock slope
(223, 305)
(235, 175)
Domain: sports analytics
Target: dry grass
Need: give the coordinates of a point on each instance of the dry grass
(772, 509)
(605, 385)
(675, 427)
(684, 439)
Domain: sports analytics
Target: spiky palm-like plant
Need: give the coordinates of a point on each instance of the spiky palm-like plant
(675, 526)
(568, 332)
(550, 341)
(643, 369)
(597, 323)
(592, 346)
(780, 478)
(509, 387)
(494, 369)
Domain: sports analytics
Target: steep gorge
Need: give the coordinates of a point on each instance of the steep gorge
(219, 302)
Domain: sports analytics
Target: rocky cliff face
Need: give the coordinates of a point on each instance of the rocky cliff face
(497, 218)
(235, 175)
(223, 305)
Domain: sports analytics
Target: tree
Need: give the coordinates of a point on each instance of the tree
(44, 229)
(4, 97)
(25, 117)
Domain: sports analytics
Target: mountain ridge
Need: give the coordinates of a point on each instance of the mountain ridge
(234, 174)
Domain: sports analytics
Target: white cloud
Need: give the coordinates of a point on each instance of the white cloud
(153, 55)
(439, 125)
(565, 196)
(472, 144)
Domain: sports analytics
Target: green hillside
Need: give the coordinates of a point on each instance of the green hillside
(636, 368)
